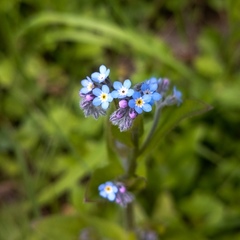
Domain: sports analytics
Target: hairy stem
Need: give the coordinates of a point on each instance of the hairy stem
(151, 132)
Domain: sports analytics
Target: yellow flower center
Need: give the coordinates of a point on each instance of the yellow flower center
(103, 97)
(108, 189)
(139, 102)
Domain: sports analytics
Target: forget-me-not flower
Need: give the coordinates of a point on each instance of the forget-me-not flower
(150, 89)
(108, 190)
(140, 103)
(122, 90)
(101, 75)
(103, 97)
(178, 96)
(87, 85)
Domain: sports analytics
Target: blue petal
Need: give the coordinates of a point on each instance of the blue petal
(131, 103)
(156, 96)
(105, 88)
(103, 194)
(84, 90)
(153, 87)
(108, 183)
(102, 69)
(117, 85)
(105, 105)
(136, 95)
(85, 82)
(146, 98)
(130, 92)
(97, 91)
(107, 73)
(138, 109)
(153, 80)
(115, 189)
(95, 76)
(109, 98)
(114, 94)
(101, 187)
(96, 101)
(144, 87)
(127, 83)
(111, 197)
(147, 107)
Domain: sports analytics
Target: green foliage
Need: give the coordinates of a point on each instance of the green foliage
(52, 158)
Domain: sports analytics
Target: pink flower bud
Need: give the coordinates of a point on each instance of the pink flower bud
(123, 103)
(132, 114)
(89, 97)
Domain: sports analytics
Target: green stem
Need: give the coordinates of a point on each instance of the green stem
(130, 172)
(27, 181)
(129, 217)
(151, 132)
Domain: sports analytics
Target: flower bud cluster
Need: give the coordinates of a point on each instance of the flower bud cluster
(98, 92)
(115, 192)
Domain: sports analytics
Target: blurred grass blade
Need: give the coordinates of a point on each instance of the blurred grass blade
(144, 43)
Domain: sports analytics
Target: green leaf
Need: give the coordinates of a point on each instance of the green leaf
(58, 227)
(71, 227)
(171, 116)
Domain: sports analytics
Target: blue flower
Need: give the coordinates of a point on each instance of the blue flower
(152, 80)
(108, 190)
(140, 103)
(177, 95)
(150, 88)
(122, 90)
(87, 85)
(101, 75)
(103, 97)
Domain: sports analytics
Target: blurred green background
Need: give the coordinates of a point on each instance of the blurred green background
(49, 149)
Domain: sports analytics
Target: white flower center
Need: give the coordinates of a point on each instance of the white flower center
(101, 77)
(139, 102)
(122, 91)
(147, 91)
(90, 86)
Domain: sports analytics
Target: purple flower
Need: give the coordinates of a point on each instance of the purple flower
(101, 75)
(140, 103)
(87, 85)
(121, 117)
(123, 196)
(122, 90)
(163, 85)
(103, 97)
(108, 190)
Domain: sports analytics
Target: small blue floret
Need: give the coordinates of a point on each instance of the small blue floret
(108, 190)
(101, 75)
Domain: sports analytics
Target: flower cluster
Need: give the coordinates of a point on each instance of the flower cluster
(98, 92)
(115, 192)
